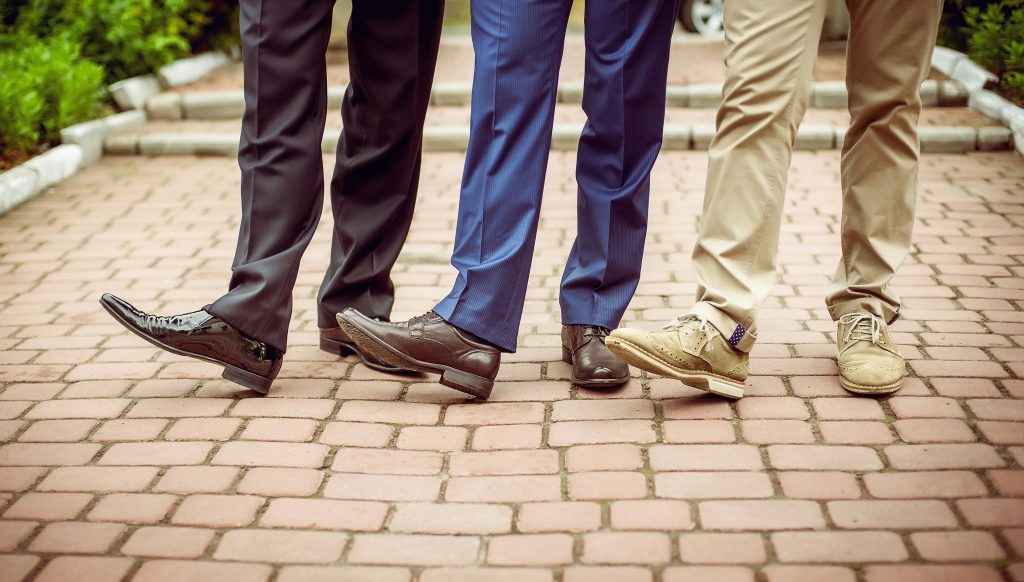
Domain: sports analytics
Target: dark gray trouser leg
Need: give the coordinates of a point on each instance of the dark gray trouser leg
(280, 156)
(392, 53)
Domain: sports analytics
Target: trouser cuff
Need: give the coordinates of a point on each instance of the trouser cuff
(246, 327)
(875, 307)
(740, 337)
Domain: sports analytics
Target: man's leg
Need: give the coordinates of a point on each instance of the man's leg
(246, 330)
(518, 47)
(888, 57)
(771, 50)
(392, 48)
(628, 44)
(283, 46)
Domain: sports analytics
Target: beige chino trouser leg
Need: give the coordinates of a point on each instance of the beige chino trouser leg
(771, 50)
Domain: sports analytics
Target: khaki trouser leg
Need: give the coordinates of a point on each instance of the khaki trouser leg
(888, 56)
(771, 50)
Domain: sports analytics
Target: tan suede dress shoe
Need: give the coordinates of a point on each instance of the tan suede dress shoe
(869, 360)
(690, 350)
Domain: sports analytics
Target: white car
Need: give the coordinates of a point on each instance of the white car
(702, 16)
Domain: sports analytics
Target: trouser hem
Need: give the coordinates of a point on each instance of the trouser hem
(249, 329)
(727, 326)
(875, 307)
(477, 326)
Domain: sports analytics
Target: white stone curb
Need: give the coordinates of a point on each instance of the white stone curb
(678, 137)
(84, 143)
(229, 104)
(90, 135)
(973, 78)
(192, 69)
(135, 92)
(26, 181)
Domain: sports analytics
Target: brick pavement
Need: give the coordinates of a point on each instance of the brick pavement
(121, 461)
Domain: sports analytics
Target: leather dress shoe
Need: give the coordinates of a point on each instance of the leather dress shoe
(593, 364)
(334, 340)
(206, 337)
(430, 344)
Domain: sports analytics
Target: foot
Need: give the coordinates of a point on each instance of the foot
(203, 336)
(593, 365)
(430, 344)
(869, 361)
(690, 350)
(334, 340)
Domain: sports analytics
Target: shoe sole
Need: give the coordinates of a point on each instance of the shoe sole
(594, 382)
(339, 348)
(870, 390)
(462, 381)
(706, 381)
(255, 382)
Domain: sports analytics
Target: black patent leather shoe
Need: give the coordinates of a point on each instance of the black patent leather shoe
(334, 340)
(593, 364)
(206, 337)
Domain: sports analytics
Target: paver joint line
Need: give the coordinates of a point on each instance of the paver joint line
(118, 461)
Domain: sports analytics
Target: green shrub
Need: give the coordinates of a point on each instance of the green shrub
(128, 37)
(44, 87)
(55, 56)
(995, 40)
(211, 24)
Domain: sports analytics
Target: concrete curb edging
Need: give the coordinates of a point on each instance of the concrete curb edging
(565, 137)
(27, 180)
(90, 135)
(229, 104)
(134, 92)
(974, 78)
(84, 143)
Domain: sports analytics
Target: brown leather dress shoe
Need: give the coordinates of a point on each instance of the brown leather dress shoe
(206, 337)
(593, 364)
(334, 340)
(430, 344)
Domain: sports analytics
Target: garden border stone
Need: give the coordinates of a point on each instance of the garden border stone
(84, 143)
(90, 135)
(974, 78)
(192, 69)
(134, 92)
(565, 137)
(224, 104)
(27, 180)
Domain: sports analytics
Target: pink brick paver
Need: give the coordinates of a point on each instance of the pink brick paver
(119, 461)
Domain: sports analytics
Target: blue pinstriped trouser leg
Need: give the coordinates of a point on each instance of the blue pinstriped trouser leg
(518, 46)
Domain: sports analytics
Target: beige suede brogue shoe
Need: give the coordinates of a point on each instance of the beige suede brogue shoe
(869, 361)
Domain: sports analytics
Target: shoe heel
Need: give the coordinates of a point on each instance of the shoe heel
(468, 383)
(254, 382)
(566, 355)
(336, 348)
(724, 388)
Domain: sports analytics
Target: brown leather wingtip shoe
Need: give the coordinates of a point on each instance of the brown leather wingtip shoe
(203, 336)
(429, 344)
(593, 364)
(334, 340)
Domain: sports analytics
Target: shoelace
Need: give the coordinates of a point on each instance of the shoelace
(596, 332)
(679, 323)
(863, 327)
(421, 318)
